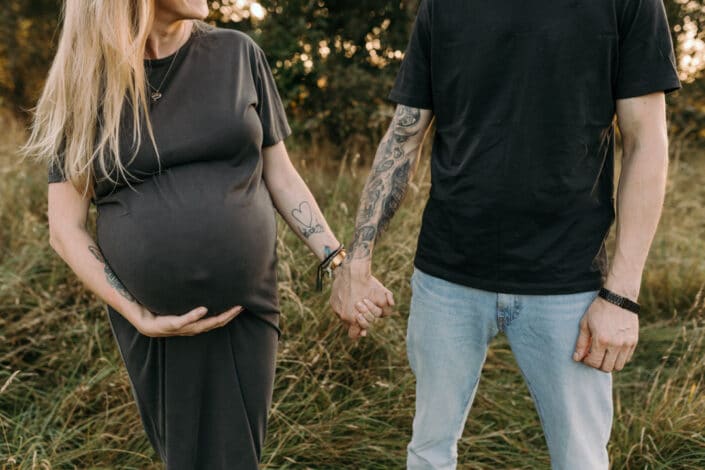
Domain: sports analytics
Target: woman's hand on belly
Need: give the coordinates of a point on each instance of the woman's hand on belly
(189, 324)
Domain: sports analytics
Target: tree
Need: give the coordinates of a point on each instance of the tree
(27, 43)
(334, 60)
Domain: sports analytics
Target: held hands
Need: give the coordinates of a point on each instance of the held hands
(359, 299)
(608, 336)
(189, 324)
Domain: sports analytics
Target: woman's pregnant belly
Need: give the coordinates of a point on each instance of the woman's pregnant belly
(196, 234)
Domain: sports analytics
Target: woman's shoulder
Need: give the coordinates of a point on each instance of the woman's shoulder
(227, 37)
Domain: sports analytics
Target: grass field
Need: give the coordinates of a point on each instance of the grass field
(65, 400)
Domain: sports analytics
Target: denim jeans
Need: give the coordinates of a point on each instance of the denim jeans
(450, 328)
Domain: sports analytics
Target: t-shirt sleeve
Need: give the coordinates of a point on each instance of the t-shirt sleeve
(412, 86)
(647, 61)
(269, 107)
(55, 172)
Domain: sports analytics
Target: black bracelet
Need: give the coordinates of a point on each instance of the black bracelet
(332, 255)
(324, 267)
(619, 301)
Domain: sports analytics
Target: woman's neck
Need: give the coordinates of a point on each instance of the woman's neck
(165, 38)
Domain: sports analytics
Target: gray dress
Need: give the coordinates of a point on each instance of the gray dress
(198, 228)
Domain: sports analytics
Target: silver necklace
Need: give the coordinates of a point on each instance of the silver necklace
(156, 94)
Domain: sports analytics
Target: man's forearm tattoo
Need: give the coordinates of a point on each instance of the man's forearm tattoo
(110, 275)
(361, 240)
(388, 181)
(307, 221)
(408, 117)
(399, 182)
(384, 167)
(374, 192)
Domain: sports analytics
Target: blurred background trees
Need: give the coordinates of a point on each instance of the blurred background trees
(28, 33)
(335, 60)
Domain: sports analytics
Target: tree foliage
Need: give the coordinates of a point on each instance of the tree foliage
(28, 32)
(335, 60)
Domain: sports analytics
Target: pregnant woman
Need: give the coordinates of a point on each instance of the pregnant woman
(174, 130)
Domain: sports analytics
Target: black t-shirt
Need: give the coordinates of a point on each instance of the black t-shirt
(198, 226)
(522, 167)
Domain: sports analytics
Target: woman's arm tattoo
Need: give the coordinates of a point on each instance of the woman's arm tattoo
(308, 223)
(388, 180)
(110, 275)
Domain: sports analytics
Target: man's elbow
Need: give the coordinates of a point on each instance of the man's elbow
(652, 146)
(417, 140)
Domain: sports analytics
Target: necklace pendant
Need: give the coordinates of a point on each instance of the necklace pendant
(156, 96)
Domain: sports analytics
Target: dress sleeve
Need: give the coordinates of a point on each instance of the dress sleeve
(269, 107)
(55, 172)
(647, 61)
(412, 86)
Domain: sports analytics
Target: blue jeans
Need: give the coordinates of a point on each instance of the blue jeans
(450, 328)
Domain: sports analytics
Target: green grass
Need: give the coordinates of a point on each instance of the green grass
(65, 400)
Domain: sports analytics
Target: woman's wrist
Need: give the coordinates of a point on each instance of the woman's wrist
(331, 262)
(133, 313)
(329, 247)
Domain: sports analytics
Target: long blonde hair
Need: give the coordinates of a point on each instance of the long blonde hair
(98, 69)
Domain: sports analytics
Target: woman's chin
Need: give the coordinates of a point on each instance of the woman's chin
(184, 9)
(195, 14)
(202, 14)
(199, 9)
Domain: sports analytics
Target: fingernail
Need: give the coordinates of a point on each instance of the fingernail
(202, 310)
(363, 333)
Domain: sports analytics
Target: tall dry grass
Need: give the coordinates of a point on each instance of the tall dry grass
(65, 400)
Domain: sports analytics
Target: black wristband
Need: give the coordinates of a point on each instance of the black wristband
(332, 255)
(324, 267)
(619, 301)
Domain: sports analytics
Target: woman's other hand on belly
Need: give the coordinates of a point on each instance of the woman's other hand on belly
(189, 324)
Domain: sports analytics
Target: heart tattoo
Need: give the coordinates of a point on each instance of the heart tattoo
(304, 216)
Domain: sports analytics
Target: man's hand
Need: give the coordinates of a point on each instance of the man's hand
(608, 336)
(359, 300)
(357, 297)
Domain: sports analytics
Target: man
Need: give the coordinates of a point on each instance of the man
(524, 95)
